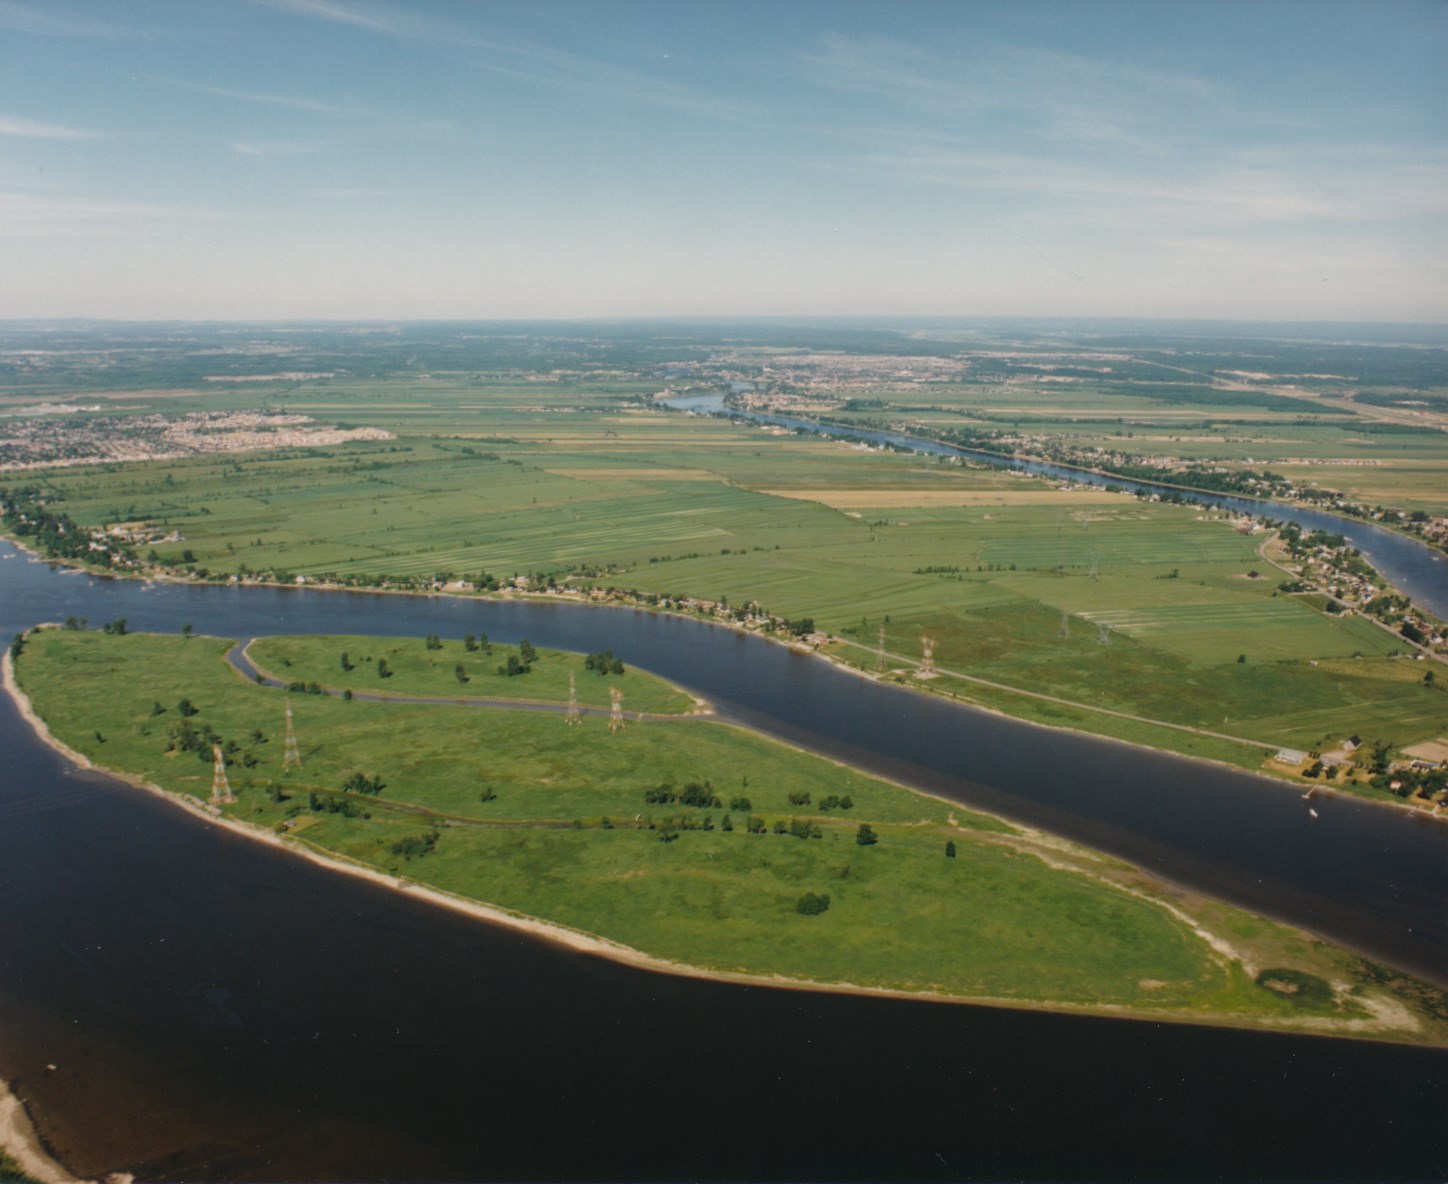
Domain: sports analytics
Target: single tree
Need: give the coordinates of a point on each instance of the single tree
(866, 836)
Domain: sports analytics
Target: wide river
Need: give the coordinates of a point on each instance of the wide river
(215, 1009)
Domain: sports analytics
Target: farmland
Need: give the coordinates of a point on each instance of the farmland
(545, 466)
(558, 823)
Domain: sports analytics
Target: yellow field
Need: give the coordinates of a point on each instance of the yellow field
(869, 499)
(637, 474)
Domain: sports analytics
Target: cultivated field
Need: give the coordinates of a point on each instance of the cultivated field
(519, 464)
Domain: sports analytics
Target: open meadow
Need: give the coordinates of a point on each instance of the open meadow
(694, 843)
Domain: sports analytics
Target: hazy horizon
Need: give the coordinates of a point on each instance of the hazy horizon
(360, 160)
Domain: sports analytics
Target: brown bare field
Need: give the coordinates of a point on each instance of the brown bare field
(1433, 750)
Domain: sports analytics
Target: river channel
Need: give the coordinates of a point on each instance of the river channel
(214, 1009)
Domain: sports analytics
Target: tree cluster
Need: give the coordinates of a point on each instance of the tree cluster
(415, 846)
(693, 794)
(326, 803)
(603, 663)
(361, 783)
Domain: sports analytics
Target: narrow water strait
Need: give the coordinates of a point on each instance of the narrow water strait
(215, 1009)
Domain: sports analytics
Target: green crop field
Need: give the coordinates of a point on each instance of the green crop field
(525, 812)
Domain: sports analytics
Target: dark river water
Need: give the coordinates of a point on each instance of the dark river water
(216, 1009)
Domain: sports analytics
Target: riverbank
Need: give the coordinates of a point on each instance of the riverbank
(20, 1141)
(617, 600)
(1381, 1020)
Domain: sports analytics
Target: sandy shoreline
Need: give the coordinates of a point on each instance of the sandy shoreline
(20, 1141)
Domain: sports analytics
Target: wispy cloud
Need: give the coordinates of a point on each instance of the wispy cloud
(527, 61)
(380, 18)
(265, 98)
(18, 125)
(24, 212)
(23, 18)
(273, 148)
(997, 89)
(1229, 192)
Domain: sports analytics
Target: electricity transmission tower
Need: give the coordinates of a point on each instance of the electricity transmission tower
(615, 716)
(572, 716)
(880, 653)
(1065, 625)
(220, 787)
(927, 661)
(291, 756)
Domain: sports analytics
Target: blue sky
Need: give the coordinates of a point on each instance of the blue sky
(367, 159)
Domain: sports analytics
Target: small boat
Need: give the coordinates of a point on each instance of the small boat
(1312, 812)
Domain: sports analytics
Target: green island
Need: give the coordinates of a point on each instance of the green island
(679, 843)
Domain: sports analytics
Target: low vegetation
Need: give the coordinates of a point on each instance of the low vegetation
(469, 667)
(635, 837)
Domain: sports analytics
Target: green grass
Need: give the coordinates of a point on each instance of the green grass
(416, 671)
(503, 476)
(550, 820)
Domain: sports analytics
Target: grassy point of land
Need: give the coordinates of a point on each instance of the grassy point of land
(695, 844)
(448, 668)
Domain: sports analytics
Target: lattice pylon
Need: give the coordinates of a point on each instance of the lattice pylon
(1103, 636)
(1065, 624)
(615, 717)
(292, 755)
(1095, 573)
(573, 715)
(927, 660)
(220, 786)
(880, 653)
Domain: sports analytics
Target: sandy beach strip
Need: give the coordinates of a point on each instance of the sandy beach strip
(19, 1140)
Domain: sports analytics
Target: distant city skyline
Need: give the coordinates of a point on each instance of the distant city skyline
(356, 159)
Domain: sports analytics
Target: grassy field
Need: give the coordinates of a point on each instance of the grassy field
(415, 671)
(542, 452)
(541, 479)
(525, 812)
